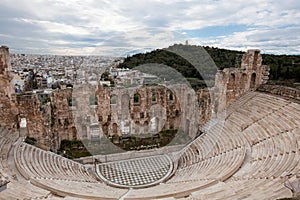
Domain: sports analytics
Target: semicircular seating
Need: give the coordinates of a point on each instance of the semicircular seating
(247, 153)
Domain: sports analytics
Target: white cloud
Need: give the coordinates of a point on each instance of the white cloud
(78, 25)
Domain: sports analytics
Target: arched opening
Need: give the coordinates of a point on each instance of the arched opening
(171, 96)
(231, 82)
(115, 129)
(125, 100)
(153, 97)
(243, 81)
(252, 82)
(136, 98)
(105, 128)
(255, 59)
(137, 127)
(154, 125)
(146, 129)
(125, 128)
(113, 99)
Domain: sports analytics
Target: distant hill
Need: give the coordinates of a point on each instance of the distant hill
(190, 59)
(285, 69)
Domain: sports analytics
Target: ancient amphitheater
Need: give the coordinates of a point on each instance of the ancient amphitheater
(250, 152)
(255, 150)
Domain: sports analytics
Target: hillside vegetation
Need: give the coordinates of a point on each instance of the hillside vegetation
(189, 60)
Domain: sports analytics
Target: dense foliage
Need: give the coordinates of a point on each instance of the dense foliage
(284, 68)
(73, 149)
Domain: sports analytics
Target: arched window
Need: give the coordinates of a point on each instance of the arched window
(125, 103)
(231, 82)
(153, 125)
(153, 97)
(252, 82)
(71, 101)
(136, 98)
(113, 99)
(243, 81)
(115, 129)
(146, 128)
(171, 96)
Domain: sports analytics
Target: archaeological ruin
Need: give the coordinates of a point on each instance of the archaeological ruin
(243, 139)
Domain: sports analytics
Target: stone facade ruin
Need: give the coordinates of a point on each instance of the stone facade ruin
(231, 83)
(91, 112)
(9, 110)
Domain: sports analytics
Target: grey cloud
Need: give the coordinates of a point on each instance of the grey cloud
(105, 24)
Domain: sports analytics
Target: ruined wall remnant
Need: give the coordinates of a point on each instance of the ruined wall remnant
(9, 110)
(231, 83)
(62, 122)
(91, 112)
(288, 92)
(204, 98)
(36, 116)
(141, 110)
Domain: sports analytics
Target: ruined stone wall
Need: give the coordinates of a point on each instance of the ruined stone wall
(62, 122)
(155, 108)
(35, 113)
(122, 111)
(50, 122)
(8, 108)
(231, 83)
(204, 98)
(288, 92)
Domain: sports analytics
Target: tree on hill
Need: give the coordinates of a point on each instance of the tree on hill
(285, 68)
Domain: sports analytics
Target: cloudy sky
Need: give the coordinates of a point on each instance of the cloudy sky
(120, 27)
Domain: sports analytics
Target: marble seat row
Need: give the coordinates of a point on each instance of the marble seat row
(25, 191)
(78, 189)
(33, 162)
(243, 189)
(218, 167)
(14, 188)
(272, 157)
(7, 138)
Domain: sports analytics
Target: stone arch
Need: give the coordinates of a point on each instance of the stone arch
(146, 129)
(125, 127)
(125, 103)
(105, 128)
(137, 127)
(253, 81)
(113, 99)
(243, 81)
(115, 129)
(154, 97)
(154, 125)
(136, 98)
(231, 82)
(171, 96)
(171, 124)
(255, 60)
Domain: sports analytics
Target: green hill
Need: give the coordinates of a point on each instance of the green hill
(189, 60)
